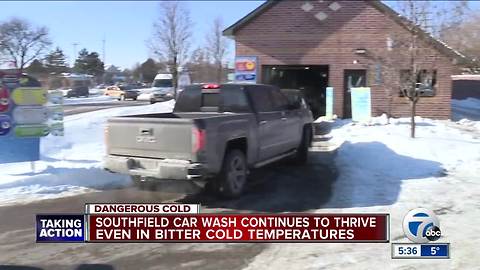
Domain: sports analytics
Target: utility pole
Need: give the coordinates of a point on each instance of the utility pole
(103, 56)
(103, 49)
(75, 44)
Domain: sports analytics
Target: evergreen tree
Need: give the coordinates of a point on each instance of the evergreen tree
(147, 70)
(55, 62)
(36, 68)
(89, 63)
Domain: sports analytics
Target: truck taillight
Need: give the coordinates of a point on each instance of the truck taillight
(200, 136)
(211, 86)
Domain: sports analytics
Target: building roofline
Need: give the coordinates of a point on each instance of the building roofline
(441, 46)
(230, 31)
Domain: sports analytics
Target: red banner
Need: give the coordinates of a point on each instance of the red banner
(239, 228)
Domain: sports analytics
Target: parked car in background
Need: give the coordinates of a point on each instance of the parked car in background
(76, 91)
(161, 90)
(122, 92)
(162, 87)
(138, 85)
(215, 135)
(79, 86)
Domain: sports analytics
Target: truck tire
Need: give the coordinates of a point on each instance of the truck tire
(233, 176)
(301, 157)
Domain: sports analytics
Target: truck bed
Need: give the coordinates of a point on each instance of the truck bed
(167, 135)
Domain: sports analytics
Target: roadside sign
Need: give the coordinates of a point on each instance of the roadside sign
(246, 68)
(30, 114)
(361, 104)
(4, 99)
(31, 131)
(5, 124)
(27, 112)
(29, 96)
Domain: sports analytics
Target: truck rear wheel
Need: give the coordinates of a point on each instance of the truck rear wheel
(233, 177)
(301, 156)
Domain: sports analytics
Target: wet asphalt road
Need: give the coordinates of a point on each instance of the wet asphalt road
(276, 188)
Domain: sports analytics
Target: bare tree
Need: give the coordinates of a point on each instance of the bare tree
(410, 62)
(171, 37)
(21, 43)
(217, 47)
(200, 67)
(417, 15)
(466, 39)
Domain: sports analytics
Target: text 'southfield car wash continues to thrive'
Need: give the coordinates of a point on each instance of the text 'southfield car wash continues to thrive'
(310, 45)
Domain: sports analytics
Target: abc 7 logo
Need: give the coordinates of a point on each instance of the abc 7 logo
(421, 226)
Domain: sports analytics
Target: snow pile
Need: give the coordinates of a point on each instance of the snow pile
(469, 123)
(382, 170)
(469, 103)
(87, 100)
(96, 91)
(386, 154)
(69, 164)
(466, 109)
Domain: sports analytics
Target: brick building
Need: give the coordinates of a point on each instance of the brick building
(310, 45)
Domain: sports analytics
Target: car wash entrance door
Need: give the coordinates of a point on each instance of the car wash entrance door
(311, 80)
(352, 78)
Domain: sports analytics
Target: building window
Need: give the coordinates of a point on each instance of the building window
(426, 82)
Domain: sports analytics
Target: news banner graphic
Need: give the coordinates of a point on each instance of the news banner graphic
(421, 226)
(185, 223)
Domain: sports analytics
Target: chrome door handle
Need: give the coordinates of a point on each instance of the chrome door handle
(263, 122)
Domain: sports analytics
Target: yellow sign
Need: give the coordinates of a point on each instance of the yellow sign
(250, 65)
(29, 96)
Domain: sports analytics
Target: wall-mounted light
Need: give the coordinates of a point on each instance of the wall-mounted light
(360, 51)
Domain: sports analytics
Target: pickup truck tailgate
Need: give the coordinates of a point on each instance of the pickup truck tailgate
(169, 138)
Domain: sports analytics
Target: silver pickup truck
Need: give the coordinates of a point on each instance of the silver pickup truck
(215, 134)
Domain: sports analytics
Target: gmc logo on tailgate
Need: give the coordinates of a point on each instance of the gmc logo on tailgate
(146, 139)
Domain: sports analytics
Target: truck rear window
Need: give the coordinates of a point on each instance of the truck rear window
(229, 98)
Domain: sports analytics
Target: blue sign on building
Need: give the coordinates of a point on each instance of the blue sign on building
(329, 103)
(246, 69)
(361, 104)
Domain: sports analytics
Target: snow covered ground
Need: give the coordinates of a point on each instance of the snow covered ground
(382, 170)
(70, 164)
(96, 96)
(87, 100)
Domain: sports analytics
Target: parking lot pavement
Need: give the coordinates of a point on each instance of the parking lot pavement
(279, 187)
